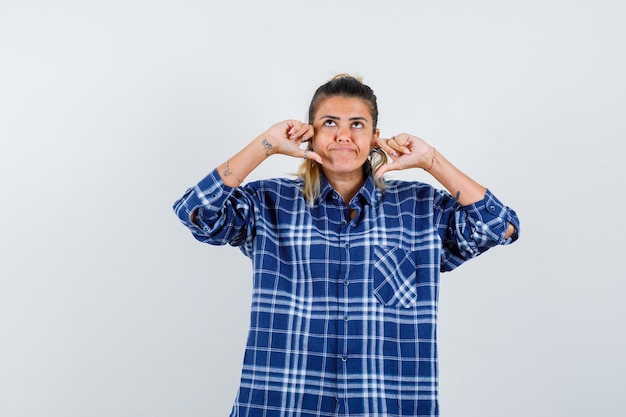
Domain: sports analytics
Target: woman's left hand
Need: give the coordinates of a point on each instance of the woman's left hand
(406, 151)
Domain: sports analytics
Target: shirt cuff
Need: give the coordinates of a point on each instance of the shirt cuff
(495, 216)
(210, 194)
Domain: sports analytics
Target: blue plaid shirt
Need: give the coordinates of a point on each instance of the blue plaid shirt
(344, 312)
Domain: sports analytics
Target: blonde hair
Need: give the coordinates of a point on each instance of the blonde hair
(347, 86)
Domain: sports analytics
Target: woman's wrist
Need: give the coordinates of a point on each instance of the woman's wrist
(460, 185)
(432, 161)
(266, 145)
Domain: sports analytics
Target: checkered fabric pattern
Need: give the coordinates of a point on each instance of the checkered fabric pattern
(344, 311)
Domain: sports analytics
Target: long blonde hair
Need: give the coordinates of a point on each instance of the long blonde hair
(347, 86)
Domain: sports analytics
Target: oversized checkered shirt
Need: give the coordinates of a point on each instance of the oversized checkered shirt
(344, 312)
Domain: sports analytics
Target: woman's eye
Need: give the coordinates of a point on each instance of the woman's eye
(329, 122)
(358, 125)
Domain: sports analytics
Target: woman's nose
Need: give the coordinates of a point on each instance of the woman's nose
(343, 134)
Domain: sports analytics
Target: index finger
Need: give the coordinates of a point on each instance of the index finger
(383, 143)
(300, 130)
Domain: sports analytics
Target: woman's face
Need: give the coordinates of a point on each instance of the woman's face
(344, 135)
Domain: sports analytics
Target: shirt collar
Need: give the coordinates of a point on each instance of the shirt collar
(368, 193)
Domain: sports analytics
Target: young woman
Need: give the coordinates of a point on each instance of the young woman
(346, 264)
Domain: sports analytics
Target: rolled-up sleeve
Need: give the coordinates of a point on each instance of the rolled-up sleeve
(475, 228)
(220, 217)
(489, 220)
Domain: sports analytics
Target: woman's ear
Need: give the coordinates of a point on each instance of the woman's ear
(311, 142)
(375, 137)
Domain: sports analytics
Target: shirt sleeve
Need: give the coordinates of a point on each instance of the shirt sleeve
(221, 212)
(473, 229)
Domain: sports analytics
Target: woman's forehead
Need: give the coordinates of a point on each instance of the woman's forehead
(343, 107)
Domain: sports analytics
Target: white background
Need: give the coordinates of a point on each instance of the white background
(110, 110)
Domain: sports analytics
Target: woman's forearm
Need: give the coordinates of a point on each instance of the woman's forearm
(234, 170)
(461, 186)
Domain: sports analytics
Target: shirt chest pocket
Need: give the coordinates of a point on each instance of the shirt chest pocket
(394, 275)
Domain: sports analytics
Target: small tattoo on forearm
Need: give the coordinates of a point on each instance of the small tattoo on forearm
(228, 172)
(458, 196)
(267, 146)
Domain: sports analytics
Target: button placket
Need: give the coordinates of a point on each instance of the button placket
(343, 315)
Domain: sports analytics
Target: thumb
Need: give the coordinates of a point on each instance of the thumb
(309, 154)
(387, 167)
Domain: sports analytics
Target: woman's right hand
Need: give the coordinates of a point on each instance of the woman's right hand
(284, 138)
(287, 137)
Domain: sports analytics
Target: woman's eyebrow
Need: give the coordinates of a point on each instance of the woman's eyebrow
(328, 116)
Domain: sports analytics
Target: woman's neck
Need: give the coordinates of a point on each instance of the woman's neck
(346, 185)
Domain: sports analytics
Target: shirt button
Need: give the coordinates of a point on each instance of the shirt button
(344, 222)
(345, 318)
(347, 245)
(344, 358)
(346, 283)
